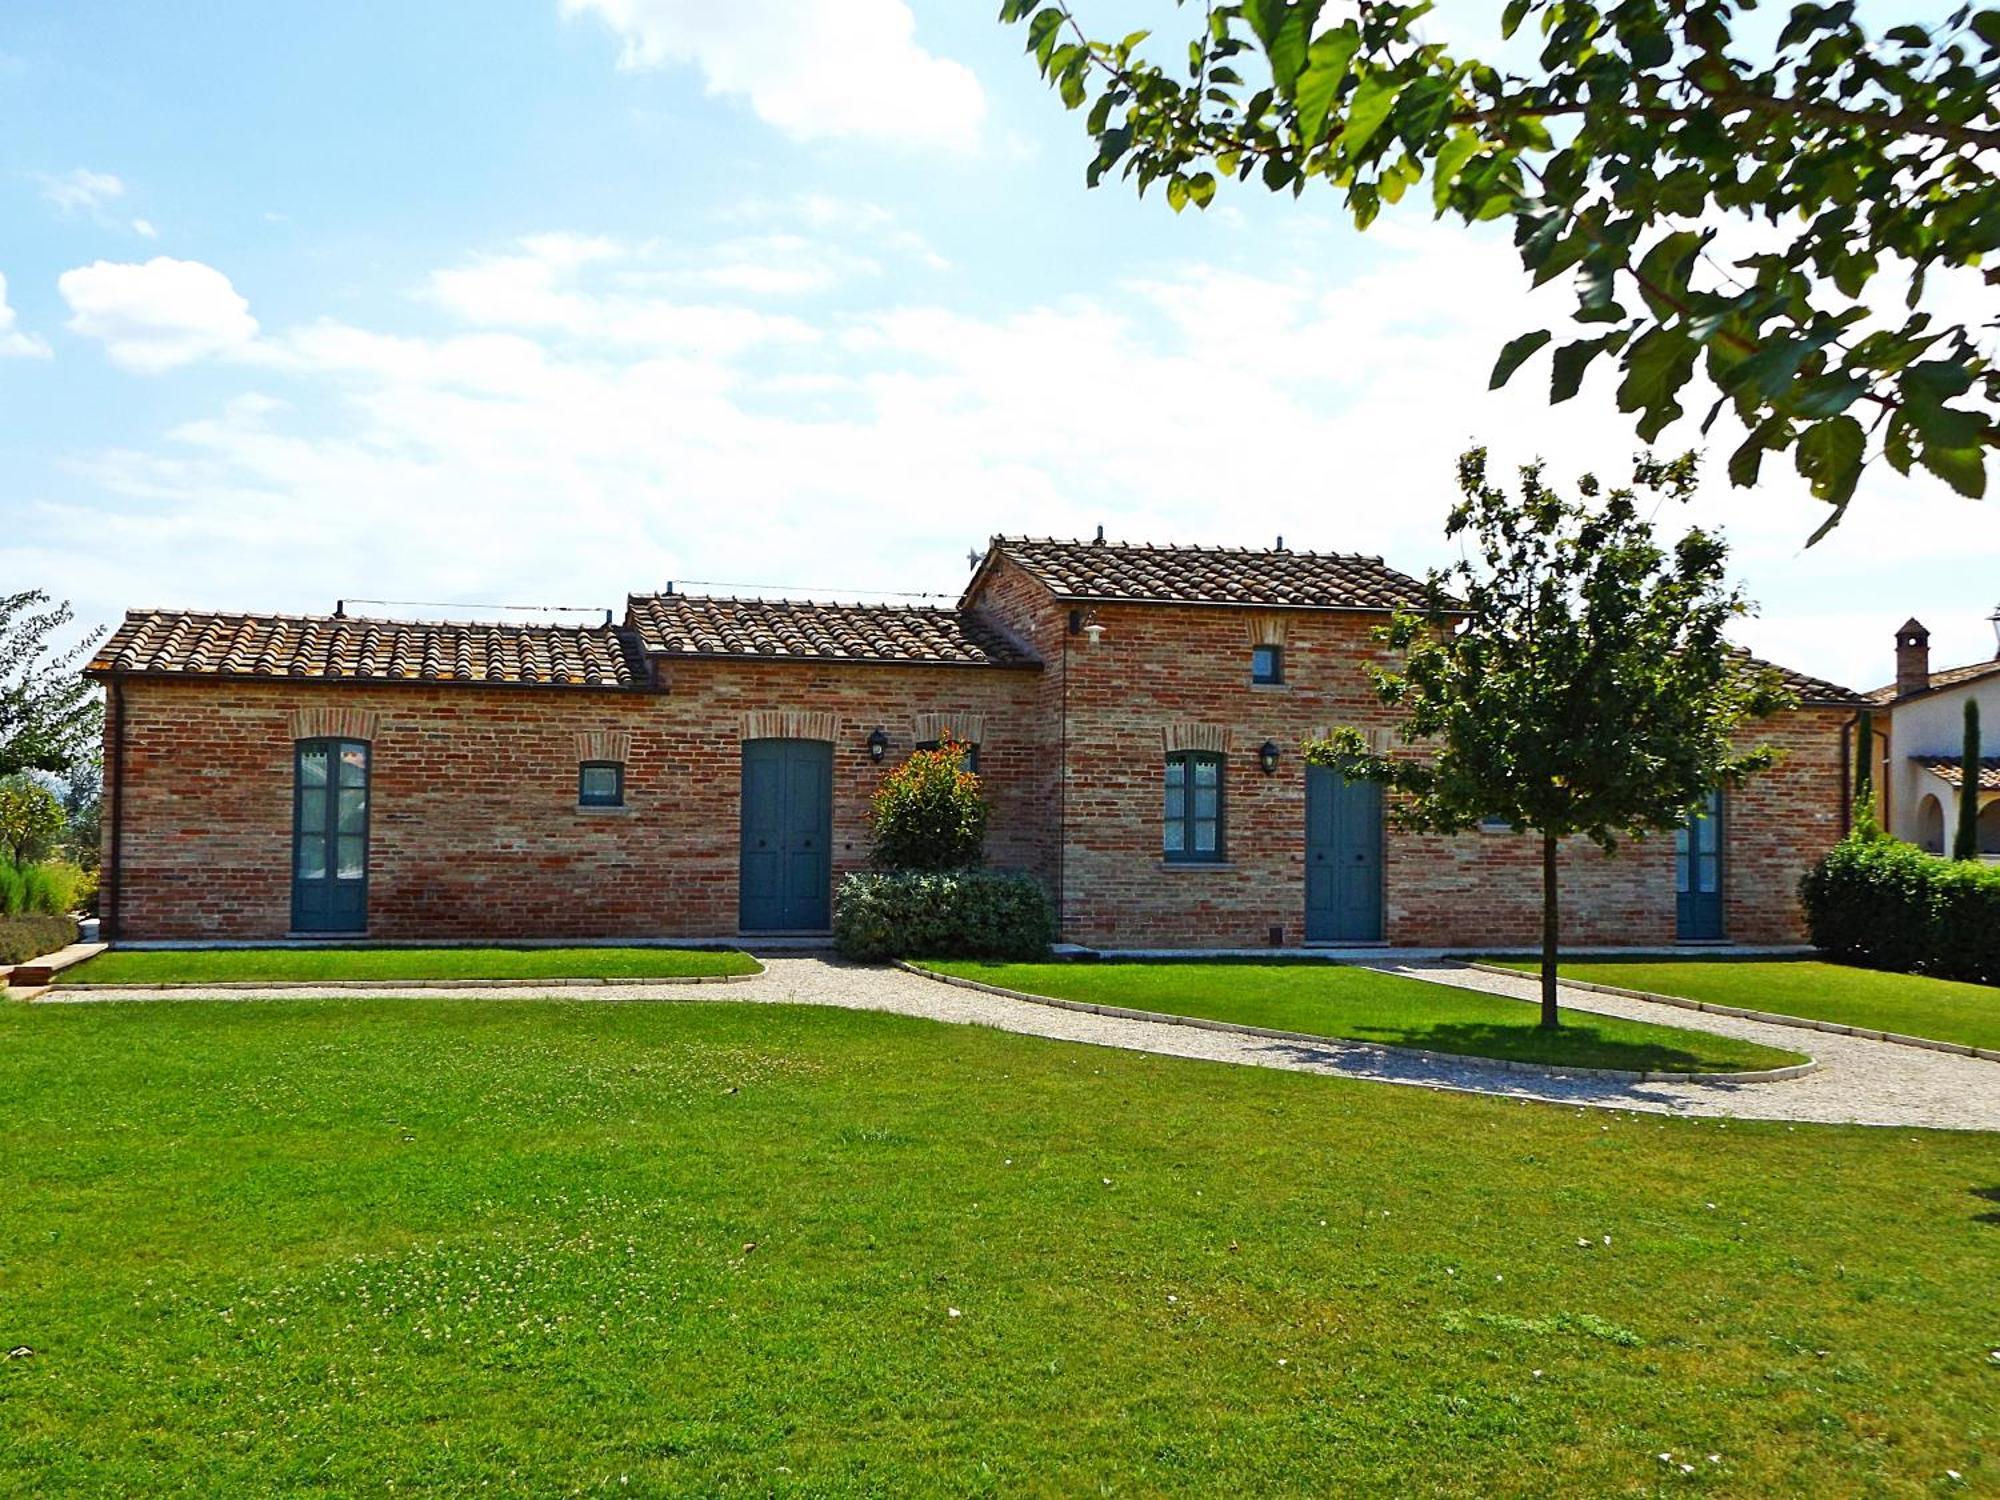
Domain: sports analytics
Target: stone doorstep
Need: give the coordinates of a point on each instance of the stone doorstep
(1507, 1064)
(40, 973)
(1768, 1017)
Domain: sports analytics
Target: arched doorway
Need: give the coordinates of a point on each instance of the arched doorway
(1930, 824)
(1988, 829)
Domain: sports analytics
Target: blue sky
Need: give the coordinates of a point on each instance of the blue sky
(537, 301)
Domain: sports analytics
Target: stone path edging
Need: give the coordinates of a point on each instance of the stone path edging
(1511, 1065)
(1768, 1017)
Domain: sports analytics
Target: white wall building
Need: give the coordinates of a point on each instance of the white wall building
(1919, 743)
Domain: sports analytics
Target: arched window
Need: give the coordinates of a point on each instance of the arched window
(1988, 829)
(1930, 824)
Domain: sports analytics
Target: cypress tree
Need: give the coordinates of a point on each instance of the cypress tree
(1965, 845)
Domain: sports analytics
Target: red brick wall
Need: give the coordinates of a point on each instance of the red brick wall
(474, 827)
(1156, 666)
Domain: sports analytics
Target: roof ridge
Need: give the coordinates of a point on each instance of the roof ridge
(1204, 547)
(677, 597)
(276, 616)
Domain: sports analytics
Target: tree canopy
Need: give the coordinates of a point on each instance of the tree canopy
(1639, 131)
(50, 718)
(1568, 675)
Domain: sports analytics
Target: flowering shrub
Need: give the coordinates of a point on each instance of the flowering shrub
(949, 914)
(928, 814)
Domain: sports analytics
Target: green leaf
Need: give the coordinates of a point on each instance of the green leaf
(1326, 66)
(1663, 271)
(1514, 355)
(1372, 101)
(1826, 395)
(1937, 379)
(1451, 159)
(1656, 368)
(1570, 363)
(1283, 28)
(1964, 469)
(1829, 455)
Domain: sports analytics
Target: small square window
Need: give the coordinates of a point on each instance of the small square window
(1267, 664)
(1493, 823)
(600, 783)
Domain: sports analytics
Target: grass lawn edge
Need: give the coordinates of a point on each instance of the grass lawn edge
(1741, 1013)
(756, 970)
(1241, 1028)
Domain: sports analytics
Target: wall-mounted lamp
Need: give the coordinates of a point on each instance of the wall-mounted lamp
(1267, 757)
(1084, 622)
(878, 743)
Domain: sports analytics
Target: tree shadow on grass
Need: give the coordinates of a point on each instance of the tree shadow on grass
(1574, 1045)
(1991, 1195)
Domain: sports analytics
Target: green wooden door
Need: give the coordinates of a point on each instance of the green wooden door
(1698, 874)
(330, 836)
(1343, 859)
(786, 872)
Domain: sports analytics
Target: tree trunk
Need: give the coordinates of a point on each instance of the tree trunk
(1551, 926)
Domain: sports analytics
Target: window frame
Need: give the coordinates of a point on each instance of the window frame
(1188, 854)
(583, 795)
(1276, 676)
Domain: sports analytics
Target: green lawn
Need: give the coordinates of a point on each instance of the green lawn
(239, 965)
(558, 1247)
(1365, 1005)
(1940, 1009)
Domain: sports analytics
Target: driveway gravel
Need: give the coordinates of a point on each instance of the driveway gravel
(1859, 1081)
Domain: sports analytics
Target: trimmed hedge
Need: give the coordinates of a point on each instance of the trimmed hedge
(947, 914)
(23, 938)
(1883, 904)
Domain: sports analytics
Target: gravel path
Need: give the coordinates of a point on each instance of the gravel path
(1861, 1081)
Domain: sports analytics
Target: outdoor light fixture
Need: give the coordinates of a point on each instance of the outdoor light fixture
(1267, 757)
(878, 743)
(1084, 622)
(1994, 620)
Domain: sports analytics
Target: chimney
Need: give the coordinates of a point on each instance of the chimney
(1913, 659)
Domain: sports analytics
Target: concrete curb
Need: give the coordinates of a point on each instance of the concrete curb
(397, 986)
(1768, 1017)
(1510, 1065)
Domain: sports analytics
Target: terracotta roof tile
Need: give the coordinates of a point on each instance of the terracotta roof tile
(1949, 768)
(352, 648)
(1948, 677)
(1124, 572)
(797, 629)
(1812, 692)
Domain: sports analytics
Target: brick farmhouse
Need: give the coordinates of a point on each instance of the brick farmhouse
(702, 768)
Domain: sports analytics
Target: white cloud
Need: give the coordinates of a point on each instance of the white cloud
(155, 316)
(584, 425)
(14, 344)
(144, 229)
(82, 190)
(814, 69)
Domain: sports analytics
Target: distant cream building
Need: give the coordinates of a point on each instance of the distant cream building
(1919, 742)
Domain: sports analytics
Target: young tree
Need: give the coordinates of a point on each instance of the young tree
(50, 718)
(1637, 129)
(31, 819)
(928, 813)
(1569, 675)
(1965, 840)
